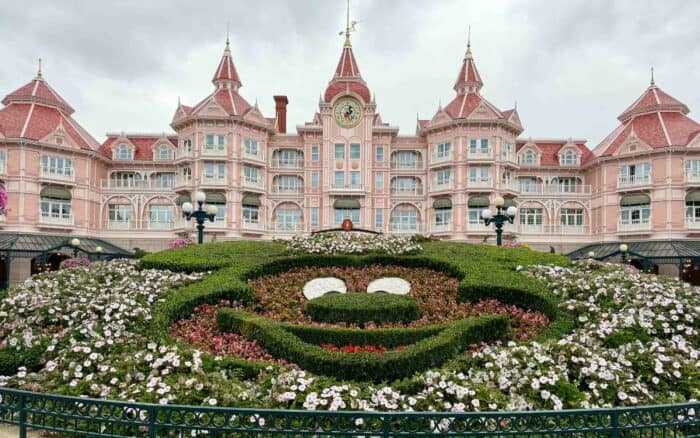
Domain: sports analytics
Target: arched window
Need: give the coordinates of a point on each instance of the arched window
(569, 158)
(505, 177)
(635, 211)
(164, 152)
(530, 157)
(124, 152)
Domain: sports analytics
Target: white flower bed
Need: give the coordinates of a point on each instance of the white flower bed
(392, 285)
(352, 243)
(321, 286)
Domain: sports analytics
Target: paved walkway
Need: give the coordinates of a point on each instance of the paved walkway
(13, 432)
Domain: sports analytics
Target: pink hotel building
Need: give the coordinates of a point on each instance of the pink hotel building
(640, 183)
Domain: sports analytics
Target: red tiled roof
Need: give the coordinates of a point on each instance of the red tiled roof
(347, 65)
(37, 90)
(143, 145)
(226, 71)
(337, 87)
(12, 119)
(550, 150)
(465, 103)
(347, 78)
(653, 99)
(468, 74)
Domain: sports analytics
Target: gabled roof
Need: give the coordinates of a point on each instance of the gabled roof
(550, 148)
(143, 144)
(347, 77)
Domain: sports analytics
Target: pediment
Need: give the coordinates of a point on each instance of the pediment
(482, 111)
(693, 143)
(515, 119)
(59, 137)
(440, 117)
(632, 145)
(254, 115)
(211, 108)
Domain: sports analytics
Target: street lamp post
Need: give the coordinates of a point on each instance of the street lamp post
(75, 243)
(502, 216)
(99, 251)
(200, 215)
(623, 252)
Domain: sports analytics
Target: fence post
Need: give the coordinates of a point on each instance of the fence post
(615, 424)
(22, 417)
(152, 422)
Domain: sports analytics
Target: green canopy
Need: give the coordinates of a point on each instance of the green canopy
(32, 245)
(693, 196)
(346, 204)
(251, 200)
(640, 199)
(215, 198)
(182, 199)
(442, 203)
(656, 251)
(55, 192)
(478, 201)
(510, 202)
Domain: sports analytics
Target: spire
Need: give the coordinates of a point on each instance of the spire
(468, 78)
(226, 75)
(652, 83)
(228, 40)
(349, 26)
(38, 72)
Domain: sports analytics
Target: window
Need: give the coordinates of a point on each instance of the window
(379, 154)
(339, 215)
(163, 180)
(479, 174)
(56, 167)
(484, 146)
(406, 160)
(119, 213)
(569, 158)
(692, 169)
(635, 173)
(505, 176)
(215, 172)
(530, 216)
(187, 173)
(161, 214)
(405, 185)
(251, 214)
(443, 216)
(3, 161)
(528, 184)
(339, 151)
(124, 152)
(315, 153)
(506, 150)
(474, 215)
(406, 220)
(164, 152)
(355, 179)
(472, 146)
(55, 209)
(288, 219)
(354, 151)
(443, 177)
(378, 218)
(289, 183)
(220, 211)
(567, 184)
(692, 211)
(252, 147)
(187, 145)
(314, 216)
(251, 174)
(379, 181)
(289, 158)
(443, 150)
(314, 180)
(339, 178)
(214, 143)
(529, 157)
(571, 217)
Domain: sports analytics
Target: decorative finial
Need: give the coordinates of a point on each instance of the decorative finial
(349, 26)
(178, 102)
(516, 104)
(228, 39)
(38, 72)
(469, 40)
(652, 77)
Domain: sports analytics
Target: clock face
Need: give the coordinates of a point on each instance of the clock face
(347, 112)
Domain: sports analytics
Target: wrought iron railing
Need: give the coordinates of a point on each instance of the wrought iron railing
(77, 416)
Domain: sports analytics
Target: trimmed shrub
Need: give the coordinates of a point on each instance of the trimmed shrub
(11, 360)
(361, 308)
(424, 354)
(388, 337)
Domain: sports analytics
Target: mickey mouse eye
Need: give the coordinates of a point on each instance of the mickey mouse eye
(391, 285)
(322, 286)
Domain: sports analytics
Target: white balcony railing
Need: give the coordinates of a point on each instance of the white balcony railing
(348, 187)
(480, 154)
(248, 224)
(634, 225)
(440, 228)
(130, 184)
(633, 180)
(483, 183)
(690, 176)
(254, 183)
(213, 151)
(56, 219)
(692, 223)
(282, 190)
(214, 180)
(120, 225)
(257, 156)
(510, 157)
(158, 224)
(287, 227)
(3, 167)
(183, 154)
(411, 165)
(532, 228)
(479, 227)
(569, 230)
(406, 191)
(287, 164)
(182, 181)
(63, 174)
(553, 189)
(441, 158)
(511, 185)
(405, 228)
(435, 186)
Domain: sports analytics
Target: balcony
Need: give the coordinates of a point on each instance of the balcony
(690, 176)
(441, 158)
(158, 225)
(509, 157)
(254, 156)
(404, 228)
(57, 220)
(568, 230)
(532, 228)
(347, 187)
(692, 223)
(510, 186)
(253, 183)
(213, 151)
(554, 189)
(120, 225)
(183, 154)
(3, 167)
(480, 154)
(130, 184)
(287, 164)
(281, 190)
(479, 227)
(635, 225)
(214, 180)
(58, 174)
(406, 191)
(480, 184)
(633, 181)
(252, 225)
(440, 228)
(437, 187)
(287, 227)
(182, 182)
(407, 166)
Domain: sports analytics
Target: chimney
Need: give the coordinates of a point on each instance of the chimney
(281, 113)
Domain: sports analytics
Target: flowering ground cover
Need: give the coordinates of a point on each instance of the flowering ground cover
(103, 331)
(351, 243)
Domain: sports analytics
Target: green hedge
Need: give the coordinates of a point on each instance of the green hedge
(361, 308)
(388, 337)
(424, 354)
(31, 358)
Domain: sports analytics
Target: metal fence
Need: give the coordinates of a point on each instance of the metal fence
(75, 416)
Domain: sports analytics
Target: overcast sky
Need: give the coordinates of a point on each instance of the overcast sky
(572, 66)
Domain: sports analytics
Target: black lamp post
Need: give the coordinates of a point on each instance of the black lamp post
(502, 216)
(623, 253)
(75, 243)
(200, 215)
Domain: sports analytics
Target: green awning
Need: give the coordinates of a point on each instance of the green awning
(215, 198)
(346, 204)
(640, 199)
(442, 203)
(693, 196)
(27, 245)
(656, 251)
(182, 199)
(55, 192)
(510, 202)
(478, 201)
(251, 200)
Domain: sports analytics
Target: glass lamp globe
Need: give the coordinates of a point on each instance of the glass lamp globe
(623, 247)
(75, 241)
(200, 196)
(591, 254)
(187, 207)
(486, 213)
(512, 210)
(499, 201)
(212, 209)
(98, 249)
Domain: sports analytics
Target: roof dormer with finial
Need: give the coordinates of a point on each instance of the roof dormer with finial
(226, 75)
(468, 79)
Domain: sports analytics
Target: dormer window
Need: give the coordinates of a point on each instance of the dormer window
(529, 157)
(124, 152)
(164, 153)
(568, 158)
